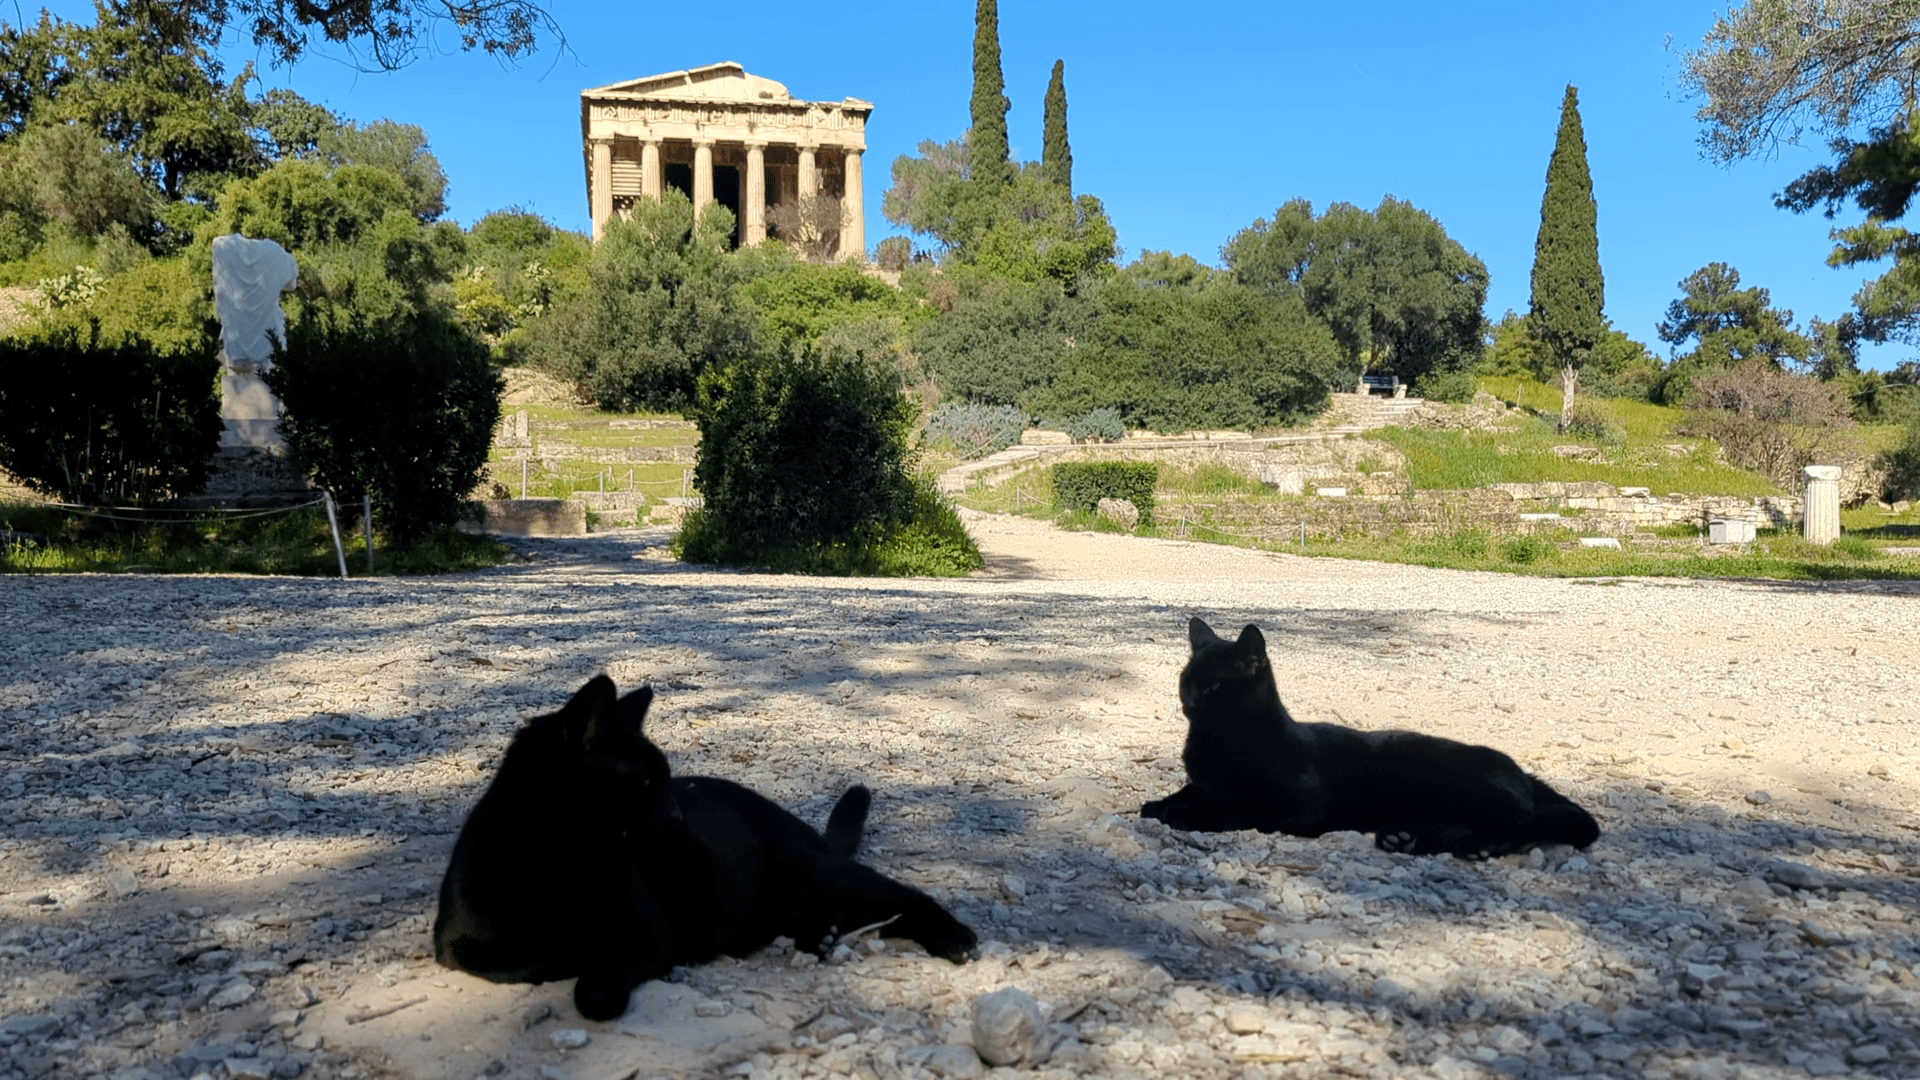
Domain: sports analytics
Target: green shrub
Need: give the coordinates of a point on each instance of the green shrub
(108, 425)
(402, 410)
(974, 431)
(1081, 485)
(1903, 467)
(1102, 424)
(797, 451)
(1587, 419)
(1526, 549)
(1456, 387)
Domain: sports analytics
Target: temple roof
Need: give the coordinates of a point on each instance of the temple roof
(726, 81)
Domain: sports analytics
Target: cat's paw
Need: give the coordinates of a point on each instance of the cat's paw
(601, 996)
(1400, 842)
(957, 947)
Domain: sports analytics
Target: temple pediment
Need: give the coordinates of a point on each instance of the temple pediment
(726, 81)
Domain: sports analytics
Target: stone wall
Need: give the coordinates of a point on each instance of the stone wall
(1591, 509)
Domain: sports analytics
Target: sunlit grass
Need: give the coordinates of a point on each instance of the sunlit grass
(297, 543)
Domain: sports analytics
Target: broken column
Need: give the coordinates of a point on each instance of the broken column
(1820, 522)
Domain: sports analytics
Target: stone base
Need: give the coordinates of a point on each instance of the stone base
(246, 478)
(532, 517)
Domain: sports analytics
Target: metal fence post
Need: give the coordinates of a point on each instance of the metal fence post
(333, 522)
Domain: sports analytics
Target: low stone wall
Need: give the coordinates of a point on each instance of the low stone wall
(1588, 508)
(534, 517)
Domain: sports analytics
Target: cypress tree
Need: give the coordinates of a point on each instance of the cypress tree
(1056, 157)
(988, 155)
(1568, 291)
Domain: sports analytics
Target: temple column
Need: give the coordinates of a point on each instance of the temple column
(853, 211)
(754, 206)
(702, 176)
(1820, 521)
(808, 176)
(600, 204)
(650, 184)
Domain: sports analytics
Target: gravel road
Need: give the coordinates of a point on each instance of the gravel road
(227, 802)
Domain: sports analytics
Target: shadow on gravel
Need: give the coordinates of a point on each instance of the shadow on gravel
(1723, 966)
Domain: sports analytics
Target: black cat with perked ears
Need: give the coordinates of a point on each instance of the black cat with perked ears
(1250, 765)
(585, 858)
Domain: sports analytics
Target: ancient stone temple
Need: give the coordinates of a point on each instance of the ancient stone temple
(724, 136)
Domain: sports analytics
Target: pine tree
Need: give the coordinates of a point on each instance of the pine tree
(1056, 157)
(988, 156)
(1568, 290)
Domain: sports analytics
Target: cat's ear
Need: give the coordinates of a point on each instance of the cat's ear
(595, 704)
(633, 709)
(1199, 633)
(1252, 647)
(598, 694)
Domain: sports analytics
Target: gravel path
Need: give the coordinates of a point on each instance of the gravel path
(227, 802)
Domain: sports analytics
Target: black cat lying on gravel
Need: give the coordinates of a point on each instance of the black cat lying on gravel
(585, 859)
(1250, 765)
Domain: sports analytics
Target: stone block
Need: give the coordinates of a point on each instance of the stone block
(1041, 437)
(1331, 492)
(1600, 542)
(535, 517)
(1121, 512)
(1729, 531)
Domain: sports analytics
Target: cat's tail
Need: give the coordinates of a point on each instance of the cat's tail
(1559, 820)
(848, 820)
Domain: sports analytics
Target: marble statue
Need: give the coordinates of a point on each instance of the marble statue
(248, 277)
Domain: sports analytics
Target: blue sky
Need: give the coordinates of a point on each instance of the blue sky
(1190, 120)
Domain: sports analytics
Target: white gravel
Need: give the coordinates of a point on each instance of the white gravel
(227, 802)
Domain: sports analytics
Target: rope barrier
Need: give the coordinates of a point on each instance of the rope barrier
(186, 513)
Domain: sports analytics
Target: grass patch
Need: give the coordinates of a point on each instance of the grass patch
(1460, 460)
(296, 543)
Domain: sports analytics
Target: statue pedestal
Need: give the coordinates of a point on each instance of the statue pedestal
(251, 478)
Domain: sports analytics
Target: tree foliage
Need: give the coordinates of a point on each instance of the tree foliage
(1173, 359)
(1729, 325)
(389, 33)
(802, 303)
(988, 155)
(1568, 288)
(1618, 366)
(355, 231)
(1056, 156)
(1771, 71)
(144, 78)
(659, 308)
(1001, 342)
(1397, 293)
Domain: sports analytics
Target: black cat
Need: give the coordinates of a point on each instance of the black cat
(1252, 766)
(767, 874)
(585, 858)
(542, 885)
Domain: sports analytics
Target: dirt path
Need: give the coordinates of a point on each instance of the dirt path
(229, 801)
